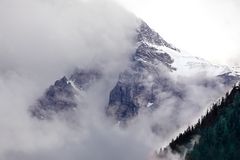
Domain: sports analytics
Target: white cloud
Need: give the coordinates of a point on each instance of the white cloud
(208, 29)
(40, 41)
(46, 38)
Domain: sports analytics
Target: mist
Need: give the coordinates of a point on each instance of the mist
(36, 36)
(43, 40)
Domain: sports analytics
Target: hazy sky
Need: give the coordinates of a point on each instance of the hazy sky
(205, 28)
(42, 40)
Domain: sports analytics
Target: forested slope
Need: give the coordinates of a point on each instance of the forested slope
(218, 132)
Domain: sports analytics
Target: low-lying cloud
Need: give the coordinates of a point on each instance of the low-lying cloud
(47, 38)
(42, 40)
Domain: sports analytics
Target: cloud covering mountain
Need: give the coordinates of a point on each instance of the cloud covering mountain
(44, 40)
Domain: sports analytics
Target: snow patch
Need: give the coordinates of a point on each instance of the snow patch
(188, 65)
(149, 105)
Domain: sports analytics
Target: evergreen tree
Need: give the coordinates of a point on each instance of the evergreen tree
(219, 132)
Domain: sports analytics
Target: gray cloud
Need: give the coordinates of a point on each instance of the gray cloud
(36, 36)
(42, 40)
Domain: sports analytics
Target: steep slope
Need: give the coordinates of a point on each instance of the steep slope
(61, 96)
(137, 87)
(153, 70)
(218, 132)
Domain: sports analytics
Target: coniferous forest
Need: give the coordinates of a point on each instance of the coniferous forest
(218, 132)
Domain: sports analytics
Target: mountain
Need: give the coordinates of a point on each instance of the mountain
(62, 95)
(216, 136)
(152, 70)
(140, 85)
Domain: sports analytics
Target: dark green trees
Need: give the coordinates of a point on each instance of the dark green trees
(219, 132)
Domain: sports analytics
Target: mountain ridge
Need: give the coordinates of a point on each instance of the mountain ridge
(139, 85)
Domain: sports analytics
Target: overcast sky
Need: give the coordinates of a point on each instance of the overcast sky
(42, 40)
(205, 28)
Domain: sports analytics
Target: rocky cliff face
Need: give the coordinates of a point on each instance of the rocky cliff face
(150, 75)
(61, 96)
(141, 86)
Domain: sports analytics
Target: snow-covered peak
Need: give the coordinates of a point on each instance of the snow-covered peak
(140, 84)
(187, 65)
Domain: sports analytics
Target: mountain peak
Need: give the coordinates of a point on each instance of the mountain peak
(145, 34)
